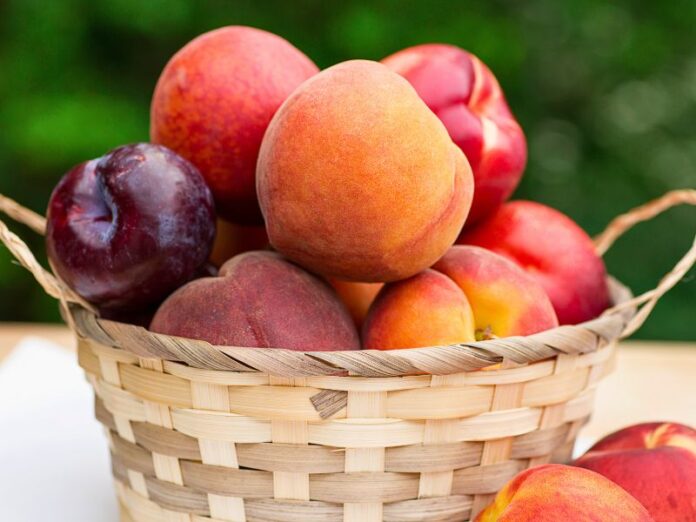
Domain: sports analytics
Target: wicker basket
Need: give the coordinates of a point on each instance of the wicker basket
(201, 433)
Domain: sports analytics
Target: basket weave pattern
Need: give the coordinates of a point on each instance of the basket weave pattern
(202, 433)
(192, 444)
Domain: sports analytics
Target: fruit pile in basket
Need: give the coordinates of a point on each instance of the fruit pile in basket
(386, 181)
(365, 206)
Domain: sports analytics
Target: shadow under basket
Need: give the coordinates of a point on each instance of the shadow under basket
(200, 433)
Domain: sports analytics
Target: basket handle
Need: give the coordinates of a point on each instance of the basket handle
(620, 225)
(19, 249)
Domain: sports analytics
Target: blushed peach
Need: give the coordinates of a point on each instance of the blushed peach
(554, 493)
(213, 102)
(471, 293)
(506, 301)
(259, 299)
(358, 179)
(428, 309)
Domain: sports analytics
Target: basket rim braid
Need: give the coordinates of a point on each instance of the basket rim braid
(620, 321)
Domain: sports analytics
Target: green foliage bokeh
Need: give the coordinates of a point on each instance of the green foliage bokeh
(606, 92)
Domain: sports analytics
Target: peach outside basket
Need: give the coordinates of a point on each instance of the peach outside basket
(202, 433)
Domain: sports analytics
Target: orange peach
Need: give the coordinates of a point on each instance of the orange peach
(259, 299)
(554, 493)
(232, 239)
(213, 102)
(471, 293)
(358, 179)
(357, 297)
(655, 462)
(428, 309)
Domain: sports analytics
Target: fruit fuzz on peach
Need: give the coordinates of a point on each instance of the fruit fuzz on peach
(358, 179)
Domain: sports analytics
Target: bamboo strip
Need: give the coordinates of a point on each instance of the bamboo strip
(166, 467)
(221, 426)
(436, 509)
(155, 386)
(363, 404)
(431, 458)
(216, 397)
(363, 487)
(292, 484)
(496, 450)
(442, 431)
(227, 481)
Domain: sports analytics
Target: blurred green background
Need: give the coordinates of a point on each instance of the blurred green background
(606, 92)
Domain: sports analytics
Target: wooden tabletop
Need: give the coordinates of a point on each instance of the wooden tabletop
(653, 381)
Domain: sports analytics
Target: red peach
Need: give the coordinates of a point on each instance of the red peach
(462, 91)
(213, 102)
(259, 299)
(554, 250)
(357, 178)
(654, 462)
(554, 493)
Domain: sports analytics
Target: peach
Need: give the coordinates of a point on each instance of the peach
(465, 95)
(428, 309)
(555, 492)
(471, 293)
(259, 299)
(213, 102)
(506, 301)
(554, 250)
(357, 297)
(358, 179)
(232, 239)
(654, 462)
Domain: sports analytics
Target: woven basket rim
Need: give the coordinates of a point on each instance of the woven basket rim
(435, 360)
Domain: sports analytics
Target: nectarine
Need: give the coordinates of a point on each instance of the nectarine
(213, 102)
(654, 462)
(554, 250)
(463, 92)
(428, 309)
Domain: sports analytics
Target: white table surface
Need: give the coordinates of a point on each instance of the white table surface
(54, 461)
